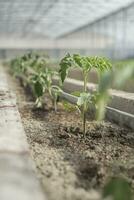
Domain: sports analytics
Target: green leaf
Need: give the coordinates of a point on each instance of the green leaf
(38, 89)
(39, 103)
(84, 98)
(105, 82)
(100, 63)
(68, 106)
(82, 62)
(117, 189)
(102, 96)
(65, 63)
(77, 58)
(123, 74)
(76, 93)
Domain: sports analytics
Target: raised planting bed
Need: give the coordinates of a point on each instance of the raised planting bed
(93, 78)
(69, 166)
(17, 171)
(120, 109)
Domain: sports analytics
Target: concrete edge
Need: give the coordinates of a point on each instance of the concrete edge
(18, 178)
(120, 100)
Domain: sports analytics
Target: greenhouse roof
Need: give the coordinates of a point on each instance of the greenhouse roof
(52, 18)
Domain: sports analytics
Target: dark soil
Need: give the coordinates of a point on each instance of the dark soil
(69, 166)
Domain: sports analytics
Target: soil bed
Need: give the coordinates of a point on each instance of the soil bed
(68, 166)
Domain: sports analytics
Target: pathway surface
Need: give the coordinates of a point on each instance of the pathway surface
(17, 171)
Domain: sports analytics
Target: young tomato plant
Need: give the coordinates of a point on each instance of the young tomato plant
(32, 69)
(42, 83)
(37, 81)
(85, 63)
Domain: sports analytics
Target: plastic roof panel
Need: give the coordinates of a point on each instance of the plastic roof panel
(52, 18)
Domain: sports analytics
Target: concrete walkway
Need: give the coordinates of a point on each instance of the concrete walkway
(18, 179)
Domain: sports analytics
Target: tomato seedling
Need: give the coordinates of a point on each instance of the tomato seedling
(33, 70)
(85, 63)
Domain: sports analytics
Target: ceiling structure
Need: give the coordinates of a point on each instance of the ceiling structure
(52, 18)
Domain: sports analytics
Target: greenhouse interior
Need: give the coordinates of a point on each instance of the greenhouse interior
(66, 100)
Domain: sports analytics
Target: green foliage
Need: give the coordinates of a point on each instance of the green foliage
(101, 64)
(105, 82)
(65, 63)
(38, 83)
(84, 99)
(33, 69)
(102, 97)
(55, 93)
(117, 78)
(85, 63)
(123, 63)
(18, 66)
(40, 79)
(68, 106)
(82, 61)
(123, 74)
(76, 93)
(38, 89)
(117, 189)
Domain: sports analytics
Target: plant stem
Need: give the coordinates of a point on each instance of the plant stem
(84, 123)
(85, 81)
(84, 106)
(55, 104)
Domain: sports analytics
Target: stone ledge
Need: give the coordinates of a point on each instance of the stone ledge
(120, 117)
